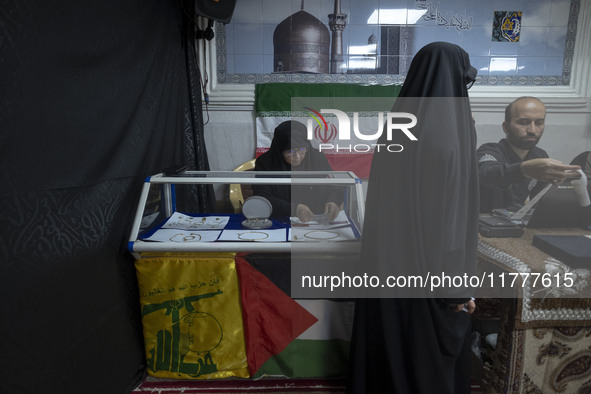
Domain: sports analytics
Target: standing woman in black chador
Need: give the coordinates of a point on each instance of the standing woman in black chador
(290, 150)
(421, 216)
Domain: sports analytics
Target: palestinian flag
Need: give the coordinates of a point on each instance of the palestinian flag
(365, 107)
(271, 318)
(304, 338)
(320, 351)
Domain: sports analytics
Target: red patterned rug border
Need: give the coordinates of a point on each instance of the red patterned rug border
(151, 385)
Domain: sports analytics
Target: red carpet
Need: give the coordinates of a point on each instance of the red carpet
(169, 386)
(276, 385)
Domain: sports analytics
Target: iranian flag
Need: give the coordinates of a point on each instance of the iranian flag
(364, 108)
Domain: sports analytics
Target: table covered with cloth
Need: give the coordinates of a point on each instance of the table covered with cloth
(544, 339)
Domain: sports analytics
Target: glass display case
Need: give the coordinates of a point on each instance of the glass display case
(167, 218)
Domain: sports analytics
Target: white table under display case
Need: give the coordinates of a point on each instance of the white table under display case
(205, 278)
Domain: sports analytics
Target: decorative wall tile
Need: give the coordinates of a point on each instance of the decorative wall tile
(544, 41)
(506, 26)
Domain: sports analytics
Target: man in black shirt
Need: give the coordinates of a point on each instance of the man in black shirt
(511, 168)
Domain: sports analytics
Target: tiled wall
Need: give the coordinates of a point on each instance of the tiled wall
(542, 56)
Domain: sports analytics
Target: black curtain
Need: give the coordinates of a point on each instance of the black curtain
(95, 96)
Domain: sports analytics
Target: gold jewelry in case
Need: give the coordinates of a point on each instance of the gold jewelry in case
(330, 235)
(192, 237)
(255, 238)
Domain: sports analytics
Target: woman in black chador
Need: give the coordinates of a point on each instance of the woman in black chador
(291, 151)
(421, 218)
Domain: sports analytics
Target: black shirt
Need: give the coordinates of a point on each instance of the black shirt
(502, 185)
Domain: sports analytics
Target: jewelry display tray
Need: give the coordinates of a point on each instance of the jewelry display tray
(163, 195)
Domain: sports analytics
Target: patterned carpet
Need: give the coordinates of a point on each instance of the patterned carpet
(268, 386)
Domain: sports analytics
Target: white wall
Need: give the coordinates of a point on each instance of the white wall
(230, 138)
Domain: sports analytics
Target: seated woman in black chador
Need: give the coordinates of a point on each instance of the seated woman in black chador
(291, 151)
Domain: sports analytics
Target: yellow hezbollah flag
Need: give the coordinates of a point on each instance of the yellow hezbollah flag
(191, 316)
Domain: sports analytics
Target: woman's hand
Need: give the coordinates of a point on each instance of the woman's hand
(331, 210)
(304, 213)
(469, 307)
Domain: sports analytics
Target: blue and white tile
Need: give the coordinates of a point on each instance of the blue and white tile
(507, 5)
(503, 48)
(268, 30)
(531, 65)
(560, 12)
(477, 40)
(363, 64)
(229, 33)
(230, 69)
(360, 11)
(418, 37)
(248, 11)
(275, 11)
(449, 34)
(248, 39)
(358, 37)
(533, 41)
(480, 63)
(311, 7)
(536, 13)
(483, 15)
(268, 64)
(540, 50)
(248, 64)
(556, 41)
(554, 65)
(387, 13)
(503, 65)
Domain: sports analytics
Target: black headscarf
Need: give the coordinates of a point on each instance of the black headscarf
(288, 135)
(439, 69)
(422, 203)
(421, 217)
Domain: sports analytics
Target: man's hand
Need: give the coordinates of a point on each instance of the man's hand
(548, 170)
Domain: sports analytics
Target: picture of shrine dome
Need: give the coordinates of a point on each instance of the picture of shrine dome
(301, 44)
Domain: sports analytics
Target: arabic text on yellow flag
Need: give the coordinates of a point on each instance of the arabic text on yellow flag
(191, 316)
